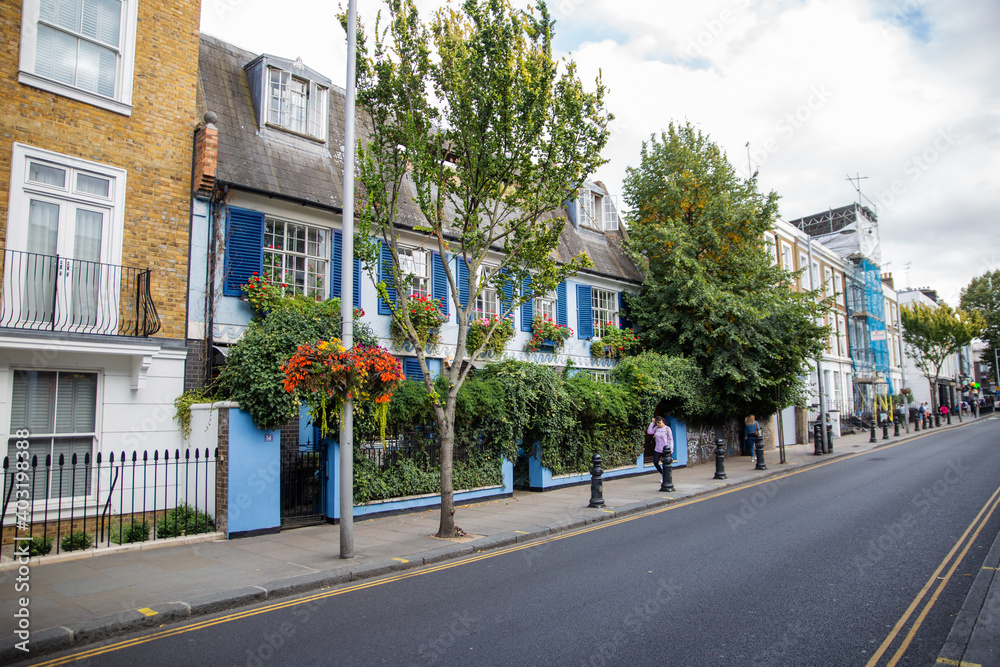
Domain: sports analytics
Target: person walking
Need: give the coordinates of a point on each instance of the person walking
(664, 440)
(751, 432)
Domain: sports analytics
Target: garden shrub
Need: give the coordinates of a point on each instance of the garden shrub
(40, 545)
(184, 520)
(77, 541)
(133, 531)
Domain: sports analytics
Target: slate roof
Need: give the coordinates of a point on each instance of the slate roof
(269, 161)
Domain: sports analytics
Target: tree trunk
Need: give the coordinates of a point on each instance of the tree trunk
(447, 430)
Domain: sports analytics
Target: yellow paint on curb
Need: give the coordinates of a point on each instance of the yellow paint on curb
(987, 567)
(401, 560)
(146, 611)
(957, 663)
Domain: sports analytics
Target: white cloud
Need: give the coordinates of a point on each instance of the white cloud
(901, 91)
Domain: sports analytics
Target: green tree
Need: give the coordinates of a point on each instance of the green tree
(711, 292)
(488, 138)
(982, 296)
(933, 334)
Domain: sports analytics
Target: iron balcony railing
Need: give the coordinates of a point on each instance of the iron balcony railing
(53, 293)
(68, 503)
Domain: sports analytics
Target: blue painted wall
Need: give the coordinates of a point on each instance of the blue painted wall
(382, 506)
(254, 477)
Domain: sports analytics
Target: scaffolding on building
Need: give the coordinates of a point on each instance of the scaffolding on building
(868, 339)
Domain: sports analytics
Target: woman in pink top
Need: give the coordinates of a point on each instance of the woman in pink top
(664, 441)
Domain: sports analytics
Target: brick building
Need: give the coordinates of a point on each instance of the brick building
(95, 166)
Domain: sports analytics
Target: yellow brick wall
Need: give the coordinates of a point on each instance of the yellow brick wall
(154, 144)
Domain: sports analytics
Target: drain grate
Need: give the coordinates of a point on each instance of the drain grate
(876, 459)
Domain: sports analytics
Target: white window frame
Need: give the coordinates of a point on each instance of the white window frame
(55, 501)
(601, 376)
(841, 336)
(827, 281)
(315, 283)
(545, 305)
(488, 300)
(786, 257)
(315, 102)
(604, 309)
(121, 101)
(804, 268)
(410, 261)
(586, 208)
(610, 214)
(68, 198)
(838, 288)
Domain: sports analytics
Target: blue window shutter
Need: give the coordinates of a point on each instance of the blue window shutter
(623, 322)
(244, 248)
(527, 308)
(439, 282)
(463, 282)
(584, 312)
(571, 211)
(508, 295)
(357, 283)
(338, 263)
(385, 275)
(411, 369)
(562, 319)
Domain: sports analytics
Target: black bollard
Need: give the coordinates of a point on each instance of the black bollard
(885, 429)
(873, 438)
(895, 431)
(720, 459)
(937, 421)
(667, 483)
(817, 439)
(949, 417)
(916, 423)
(596, 487)
(829, 438)
(759, 444)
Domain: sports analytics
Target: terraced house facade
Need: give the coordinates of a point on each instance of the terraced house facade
(95, 163)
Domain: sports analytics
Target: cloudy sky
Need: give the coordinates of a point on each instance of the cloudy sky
(903, 93)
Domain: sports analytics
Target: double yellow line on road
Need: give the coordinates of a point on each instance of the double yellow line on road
(200, 625)
(948, 567)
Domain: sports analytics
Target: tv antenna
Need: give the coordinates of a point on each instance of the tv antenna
(856, 182)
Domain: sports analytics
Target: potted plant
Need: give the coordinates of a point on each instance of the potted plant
(546, 333)
(615, 343)
(262, 294)
(426, 317)
(479, 328)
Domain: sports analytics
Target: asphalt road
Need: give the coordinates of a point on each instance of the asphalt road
(864, 560)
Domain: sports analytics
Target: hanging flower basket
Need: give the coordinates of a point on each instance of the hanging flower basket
(615, 343)
(545, 332)
(426, 317)
(479, 328)
(325, 374)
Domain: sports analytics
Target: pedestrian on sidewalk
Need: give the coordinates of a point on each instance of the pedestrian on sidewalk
(944, 410)
(664, 440)
(752, 432)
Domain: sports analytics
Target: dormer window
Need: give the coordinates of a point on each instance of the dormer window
(597, 210)
(290, 98)
(296, 104)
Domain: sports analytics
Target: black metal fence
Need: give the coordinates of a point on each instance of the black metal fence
(53, 293)
(303, 480)
(420, 447)
(78, 502)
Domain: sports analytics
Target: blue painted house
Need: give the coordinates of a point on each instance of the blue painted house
(268, 183)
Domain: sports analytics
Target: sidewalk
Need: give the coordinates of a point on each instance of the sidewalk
(75, 601)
